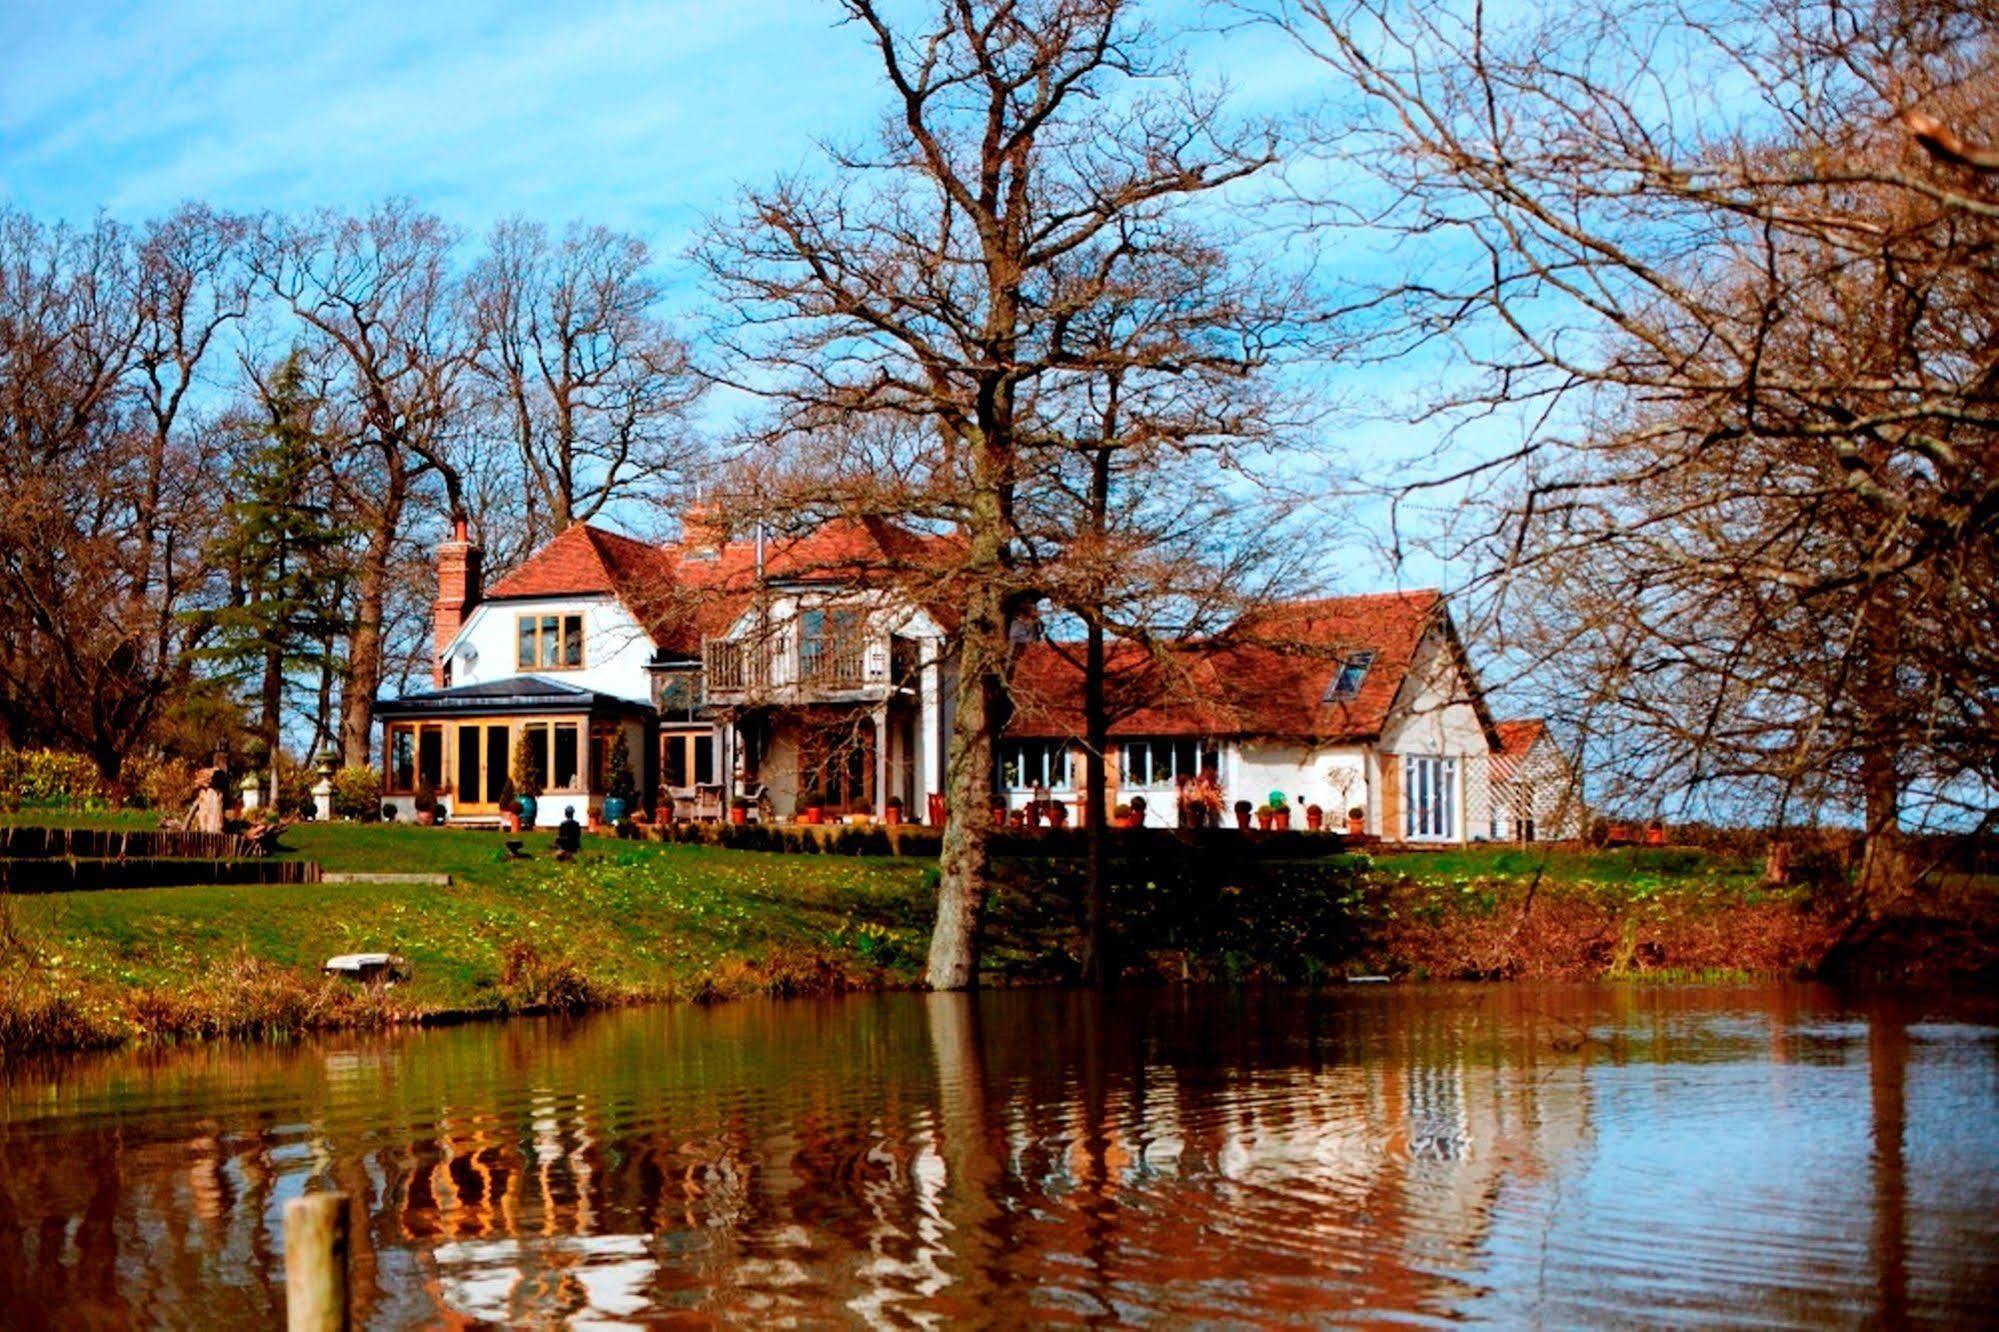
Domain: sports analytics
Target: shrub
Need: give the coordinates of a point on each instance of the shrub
(160, 783)
(532, 983)
(623, 784)
(49, 779)
(357, 793)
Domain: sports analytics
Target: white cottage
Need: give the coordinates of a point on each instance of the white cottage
(779, 669)
(1361, 703)
(800, 671)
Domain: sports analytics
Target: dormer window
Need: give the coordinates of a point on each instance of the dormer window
(550, 642)
(1347, 682)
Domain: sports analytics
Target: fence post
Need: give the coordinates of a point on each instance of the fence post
(316, 1263)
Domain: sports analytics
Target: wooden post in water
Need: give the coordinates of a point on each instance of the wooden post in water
(316, 1263)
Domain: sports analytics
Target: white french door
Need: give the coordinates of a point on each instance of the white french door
(1430, 798)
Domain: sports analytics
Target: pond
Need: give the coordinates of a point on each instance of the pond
(1505, 1154)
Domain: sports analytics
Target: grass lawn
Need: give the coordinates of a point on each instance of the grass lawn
(114, 820)
(637, 919)
(1635, 870)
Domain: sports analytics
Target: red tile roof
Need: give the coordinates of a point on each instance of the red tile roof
(1515, 739)
(1267, 678)
(681, 592)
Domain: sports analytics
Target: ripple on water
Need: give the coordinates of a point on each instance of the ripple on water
(1510, 1155)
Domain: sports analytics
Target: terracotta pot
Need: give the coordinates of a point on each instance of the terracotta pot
(1315, 819)
(1263, 818)
(1281, 820)
(738, 814)
(1242, 820)
(1356, 827)
(814, 814)
(892, 816)
(999, 816)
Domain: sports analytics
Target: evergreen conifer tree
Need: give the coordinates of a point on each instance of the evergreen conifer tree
(282, 550)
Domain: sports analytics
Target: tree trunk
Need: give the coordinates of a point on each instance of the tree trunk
(361, 678)
(1883, 864)
(273, 721)
(961, 887)
(1097, 969)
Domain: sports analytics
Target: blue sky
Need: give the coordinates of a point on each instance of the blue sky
(641, 114)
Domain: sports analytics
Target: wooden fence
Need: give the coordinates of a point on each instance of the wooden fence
(32, 843)
(46, 874)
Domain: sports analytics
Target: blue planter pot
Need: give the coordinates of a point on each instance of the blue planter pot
(614, 809)
(529, 808)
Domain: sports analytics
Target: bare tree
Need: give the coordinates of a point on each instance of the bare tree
(379, 290)
(1748, 315)
(923, 282)
(590, 383)
(102, 510)
(1146, 521)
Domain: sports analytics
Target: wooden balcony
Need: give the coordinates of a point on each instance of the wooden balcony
(735, 670)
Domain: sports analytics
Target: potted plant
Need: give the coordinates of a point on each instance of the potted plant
(425, 802)
(1122, 815)
(892, 811)
(527, 782)
(623, 787)
(1242, 811)
(999, 813)
(1357, 822)
(739, 810)
(815, 808)
(1315, 817)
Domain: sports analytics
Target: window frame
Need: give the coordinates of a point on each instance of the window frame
(1200, 753)
(1430, 801)
(1356, 663)
(1053, 756)
(550, 641)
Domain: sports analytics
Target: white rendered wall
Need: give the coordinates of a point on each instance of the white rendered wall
(1260, 767)
(1434, 716)
(615, 648)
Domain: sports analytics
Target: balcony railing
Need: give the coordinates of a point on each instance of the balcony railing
(735, 667)
(730, 667)
(832, 666)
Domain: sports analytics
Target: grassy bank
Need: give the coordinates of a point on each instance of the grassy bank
(636, 921)
(627, 921)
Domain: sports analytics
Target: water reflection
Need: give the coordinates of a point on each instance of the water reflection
(1518, 1154)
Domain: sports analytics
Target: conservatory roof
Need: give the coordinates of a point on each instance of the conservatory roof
(519, 693)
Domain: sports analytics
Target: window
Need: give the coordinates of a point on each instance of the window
(430, 757)
(1027, 764)
(402, 758)
(1347, 682)
(534, 737)
(603, 739)
(1429, 798)
(1159, 764)
(550, 642)
(830, 646)
(679, 691)
(568, 775)
(689, 758)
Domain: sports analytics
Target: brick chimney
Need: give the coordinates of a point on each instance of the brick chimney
(460, 584)
(703, 530)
